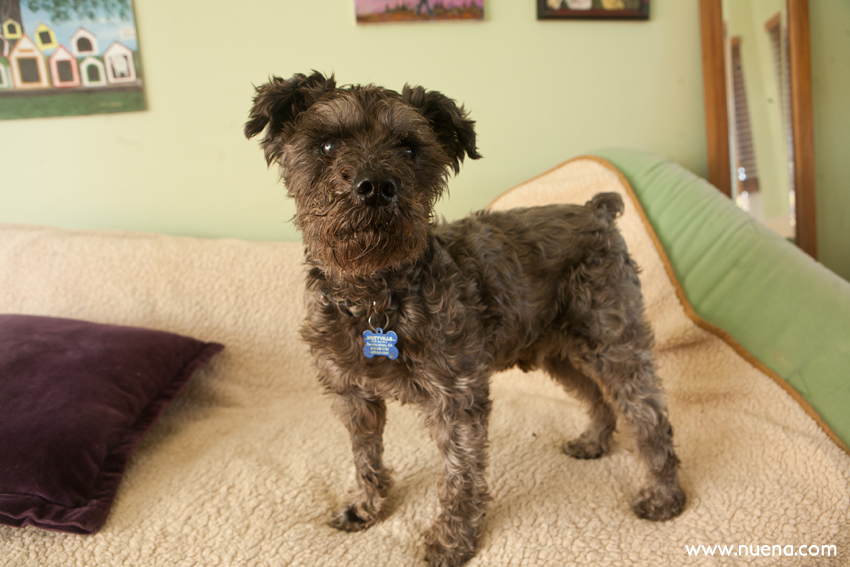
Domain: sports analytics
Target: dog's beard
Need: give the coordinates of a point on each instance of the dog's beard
(352, 240)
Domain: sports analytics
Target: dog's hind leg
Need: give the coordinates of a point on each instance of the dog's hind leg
(364, 417)
(595, 441)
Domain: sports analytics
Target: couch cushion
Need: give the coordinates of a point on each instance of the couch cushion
(75, 400)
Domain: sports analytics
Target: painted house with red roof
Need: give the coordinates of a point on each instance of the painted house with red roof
(64, 71)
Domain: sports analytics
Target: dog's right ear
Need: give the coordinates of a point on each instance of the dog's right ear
(278, 103)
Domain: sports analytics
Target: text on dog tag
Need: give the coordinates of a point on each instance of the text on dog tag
(380, 344)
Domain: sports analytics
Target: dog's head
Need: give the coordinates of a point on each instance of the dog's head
(364, 164)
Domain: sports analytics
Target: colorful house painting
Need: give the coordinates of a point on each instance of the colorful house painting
(84, 43)
(64, 58)
(45, 38)
(92, 72)
(120, 64)
(64, 72)
(5, 76)
(12, 29)
(29, 70)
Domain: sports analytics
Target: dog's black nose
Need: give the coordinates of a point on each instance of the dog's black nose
(376, 190)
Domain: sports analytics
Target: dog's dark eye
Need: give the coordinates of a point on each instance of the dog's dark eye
(407, 150)
(328, 147)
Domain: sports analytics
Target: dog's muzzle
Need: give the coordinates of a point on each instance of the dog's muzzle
(375, 189)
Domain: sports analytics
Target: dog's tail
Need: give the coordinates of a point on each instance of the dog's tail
(609, 204)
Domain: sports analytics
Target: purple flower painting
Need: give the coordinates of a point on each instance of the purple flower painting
(375, 11)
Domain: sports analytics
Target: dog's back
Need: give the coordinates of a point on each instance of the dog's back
(544, 274)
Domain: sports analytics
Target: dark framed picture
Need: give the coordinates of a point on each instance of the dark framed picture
(593, 9)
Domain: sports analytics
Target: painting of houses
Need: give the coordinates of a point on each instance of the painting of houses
(52, 62)
(29, 70)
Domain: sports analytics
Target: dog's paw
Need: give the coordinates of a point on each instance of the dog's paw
(441, 556)
(659, 503)
(585, 448)
(350, 519)
(445, 547)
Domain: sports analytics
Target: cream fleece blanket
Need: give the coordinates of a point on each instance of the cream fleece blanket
(248, 463)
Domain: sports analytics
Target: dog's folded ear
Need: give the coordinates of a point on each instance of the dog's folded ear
(277, 104)
(451, 123)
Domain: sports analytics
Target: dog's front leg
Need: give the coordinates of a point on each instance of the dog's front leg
(364, 416)
(461, 435)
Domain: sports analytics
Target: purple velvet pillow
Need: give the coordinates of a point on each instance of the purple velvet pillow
(76, 398)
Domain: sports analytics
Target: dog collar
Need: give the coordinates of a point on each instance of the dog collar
(376, 342)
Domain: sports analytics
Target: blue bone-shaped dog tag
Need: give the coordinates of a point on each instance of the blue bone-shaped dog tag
(380, 344)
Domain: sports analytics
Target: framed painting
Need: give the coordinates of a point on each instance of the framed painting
(68, 57)
(381, 11)
(593, 9)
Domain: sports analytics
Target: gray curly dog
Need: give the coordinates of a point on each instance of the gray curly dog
(402, 307)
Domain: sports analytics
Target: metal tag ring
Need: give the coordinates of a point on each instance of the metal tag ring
(386, 323)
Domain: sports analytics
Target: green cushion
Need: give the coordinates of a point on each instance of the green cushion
(784, 308)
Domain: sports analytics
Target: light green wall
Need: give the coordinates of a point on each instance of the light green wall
(541, 92)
